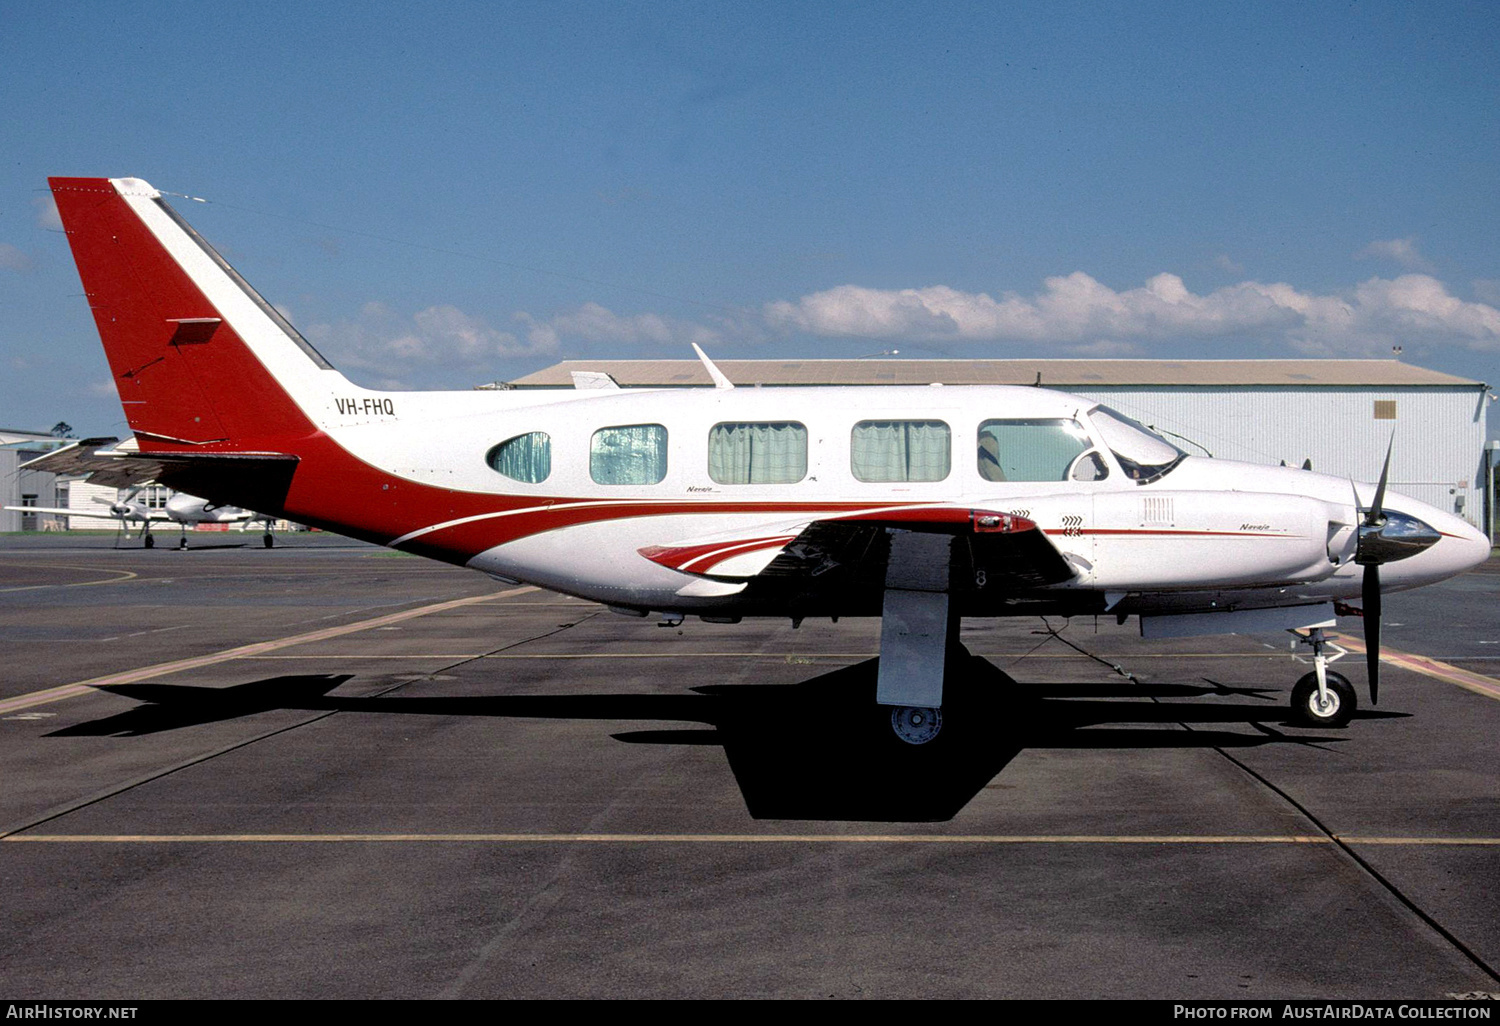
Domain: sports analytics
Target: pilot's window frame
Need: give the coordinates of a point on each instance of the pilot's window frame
(542, 467)
(1101, 466)
(864, 469)
(746, 463)
(596, 457)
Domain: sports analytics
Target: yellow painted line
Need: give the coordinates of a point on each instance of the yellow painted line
(1476, 682)
(123, 575)
(656, 839)
(84, 687)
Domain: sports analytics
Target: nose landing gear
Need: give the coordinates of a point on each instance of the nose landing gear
(1329, 706)
(1322, 698)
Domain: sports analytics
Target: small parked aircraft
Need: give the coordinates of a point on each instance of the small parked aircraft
(101, 463)
(917, 505)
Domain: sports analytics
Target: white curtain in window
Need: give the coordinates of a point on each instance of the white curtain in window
(757, 453)
(632, 455)
(900, 450)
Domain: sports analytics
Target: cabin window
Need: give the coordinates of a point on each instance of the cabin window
(773, 453)
(526, 458)
(1035, 450)
(900, 450)
(632, 455)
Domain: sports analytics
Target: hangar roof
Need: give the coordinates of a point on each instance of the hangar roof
(1079, 374)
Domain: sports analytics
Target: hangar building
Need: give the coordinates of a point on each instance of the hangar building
(25, 487)
(1338, 414)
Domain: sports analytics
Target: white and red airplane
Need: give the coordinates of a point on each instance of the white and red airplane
(918, 505)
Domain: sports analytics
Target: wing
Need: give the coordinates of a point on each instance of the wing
(1002, 551)
(62, 512)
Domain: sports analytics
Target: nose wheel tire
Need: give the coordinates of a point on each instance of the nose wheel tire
(268, 541)
(1309, 708)
(916, 725)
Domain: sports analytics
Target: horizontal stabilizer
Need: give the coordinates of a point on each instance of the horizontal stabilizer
(83, 458)
(254, 481)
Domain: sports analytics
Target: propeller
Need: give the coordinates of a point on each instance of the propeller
(1384, 537)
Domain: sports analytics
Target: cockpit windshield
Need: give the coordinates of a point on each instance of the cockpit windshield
(1144, 455)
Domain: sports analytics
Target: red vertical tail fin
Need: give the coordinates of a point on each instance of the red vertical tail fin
(202, 362)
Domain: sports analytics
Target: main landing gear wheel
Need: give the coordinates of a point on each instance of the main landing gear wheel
(1308, 707)
(182, 542)
(916, 725)
(268, 541)
(150, 542)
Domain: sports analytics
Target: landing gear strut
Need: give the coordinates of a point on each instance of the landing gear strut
(917, 632)
(1322, 698)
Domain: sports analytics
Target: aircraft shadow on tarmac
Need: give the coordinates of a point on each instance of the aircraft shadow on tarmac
(820, 749)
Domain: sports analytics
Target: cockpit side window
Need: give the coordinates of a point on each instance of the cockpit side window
(1036, 449)
(1144, 455)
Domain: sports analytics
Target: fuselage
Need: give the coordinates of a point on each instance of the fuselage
(190, 509)
(1205, 534)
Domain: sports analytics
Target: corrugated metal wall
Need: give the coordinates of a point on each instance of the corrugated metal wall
(14, 483)
(1439, 432)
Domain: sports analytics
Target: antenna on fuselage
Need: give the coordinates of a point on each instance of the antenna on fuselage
(720, 381)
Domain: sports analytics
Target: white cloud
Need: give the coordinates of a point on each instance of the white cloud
(1076, 311)
(1401, 251)
(1224, 263)
(46, 212)
(402, 348)
(1072, 308)
(592, 323)
(13, 259)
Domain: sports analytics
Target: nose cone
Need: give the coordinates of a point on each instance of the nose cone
(1459, 547)
(1470, 546)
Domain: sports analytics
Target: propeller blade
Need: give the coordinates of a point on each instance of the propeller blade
(1370, 594)
(1378, 507)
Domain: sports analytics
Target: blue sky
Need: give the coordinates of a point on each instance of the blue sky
(445, 194)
